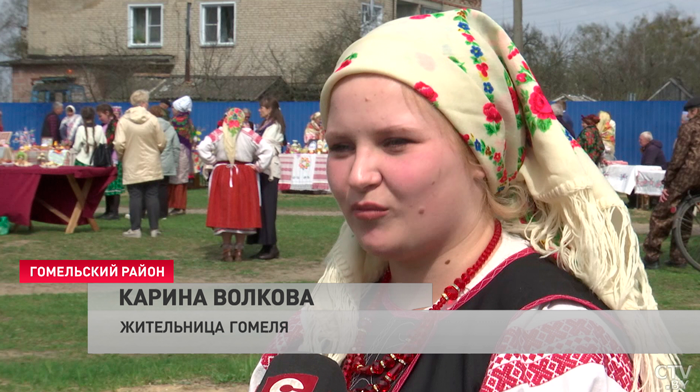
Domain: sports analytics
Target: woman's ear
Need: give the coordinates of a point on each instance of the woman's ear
(478, 173)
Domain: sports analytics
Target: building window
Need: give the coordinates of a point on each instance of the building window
(218, 23)
(370, 20)
(426, 10)
(146, 25)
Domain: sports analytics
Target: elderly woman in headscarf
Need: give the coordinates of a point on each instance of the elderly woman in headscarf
(457, 174)
(70, 124)
(590, 140)
(606, 128)
(313, 131)
(238, 154)
(177, 192)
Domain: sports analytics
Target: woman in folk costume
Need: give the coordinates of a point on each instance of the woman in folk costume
(238, 154)
(590, 140)
(451, 89)
(177, 194)
(314, 130)
(606, 127)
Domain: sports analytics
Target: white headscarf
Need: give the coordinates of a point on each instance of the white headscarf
(183, 104)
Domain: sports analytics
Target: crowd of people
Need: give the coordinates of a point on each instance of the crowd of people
(682, 177)
(152, 151)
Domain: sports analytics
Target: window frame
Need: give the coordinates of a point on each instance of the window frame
(202, 22)
(365, 26)
(130, 30)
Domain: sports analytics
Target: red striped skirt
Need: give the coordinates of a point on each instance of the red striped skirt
(233, 198)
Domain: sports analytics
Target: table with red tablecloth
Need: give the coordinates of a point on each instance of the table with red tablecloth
(304, 172)
(66, 195)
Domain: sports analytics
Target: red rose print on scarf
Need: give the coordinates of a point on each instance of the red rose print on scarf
(483, 68)
(539, 105)
(522, 78)
(497, 157)
(512, 54)
(420, 17)
(491, 113)
(347, 61)
(343, 65)
(514, 98)
(427, 92)
(469, 37)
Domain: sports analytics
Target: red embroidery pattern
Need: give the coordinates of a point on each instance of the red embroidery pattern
(256, 138)
(507, 371)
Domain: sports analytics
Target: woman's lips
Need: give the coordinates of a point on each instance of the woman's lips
(369, 211)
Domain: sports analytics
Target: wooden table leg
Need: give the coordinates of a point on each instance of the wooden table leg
(81, 196)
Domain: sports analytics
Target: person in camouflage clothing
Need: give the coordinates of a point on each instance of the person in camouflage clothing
(682, 176)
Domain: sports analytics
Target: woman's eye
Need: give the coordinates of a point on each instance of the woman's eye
(394, 143)
(339, 147)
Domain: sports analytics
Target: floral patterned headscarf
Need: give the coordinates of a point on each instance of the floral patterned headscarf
(231, 127)
(468, 67)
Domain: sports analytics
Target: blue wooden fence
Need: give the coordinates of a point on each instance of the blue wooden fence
(662, 118)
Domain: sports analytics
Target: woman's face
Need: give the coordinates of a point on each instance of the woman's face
(397, 170)
(264, 112)
(103, 116)
(70, 112)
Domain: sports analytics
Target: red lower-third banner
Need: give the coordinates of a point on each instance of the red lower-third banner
(96, 271)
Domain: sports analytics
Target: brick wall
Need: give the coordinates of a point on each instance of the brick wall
(90, 27)
(263, 27)
(23, 79)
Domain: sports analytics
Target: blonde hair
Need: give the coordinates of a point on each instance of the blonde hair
(604, 120)
(139, 97)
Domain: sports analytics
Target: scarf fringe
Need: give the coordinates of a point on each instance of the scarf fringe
(597, 244)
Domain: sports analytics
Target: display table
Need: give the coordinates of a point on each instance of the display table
(67, 195)
(643, 180)
(304, 172)
(6, 154)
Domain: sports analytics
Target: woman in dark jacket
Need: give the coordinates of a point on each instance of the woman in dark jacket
(652, 153)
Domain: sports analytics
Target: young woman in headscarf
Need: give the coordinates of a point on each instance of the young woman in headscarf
(606, 127)
(177, 194)
(455, 143)
(69, 125)
(590, 140)
(109, 121)
(238, 154)
(314, 130)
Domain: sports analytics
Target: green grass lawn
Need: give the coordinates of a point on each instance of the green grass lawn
(197, 199)
(43, 337)
(303, 241)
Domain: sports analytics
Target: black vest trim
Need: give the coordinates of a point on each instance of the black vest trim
(521, 282)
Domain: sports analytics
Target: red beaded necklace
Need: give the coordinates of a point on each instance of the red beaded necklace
(391, 365)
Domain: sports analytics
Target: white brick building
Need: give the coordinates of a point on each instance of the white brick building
(88, 42)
